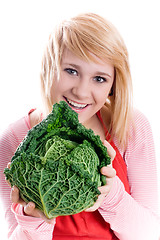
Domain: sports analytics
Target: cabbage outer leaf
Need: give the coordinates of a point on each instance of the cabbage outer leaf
(57, 164)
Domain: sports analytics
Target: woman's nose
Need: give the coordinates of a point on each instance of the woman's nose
(82, 89)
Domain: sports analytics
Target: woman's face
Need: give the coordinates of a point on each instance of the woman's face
(83, 85)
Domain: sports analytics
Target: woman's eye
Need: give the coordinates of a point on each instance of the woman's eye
(71, 71)
(100, 79)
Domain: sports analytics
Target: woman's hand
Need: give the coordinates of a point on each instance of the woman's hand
(110, 173)
(29, 209)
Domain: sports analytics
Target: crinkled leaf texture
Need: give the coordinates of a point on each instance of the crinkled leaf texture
(57, 164)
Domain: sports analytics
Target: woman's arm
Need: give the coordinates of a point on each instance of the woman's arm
(128, 219)
(9, 141)
(8, 145)
(19, 225)
(30, 228)
(135, 216)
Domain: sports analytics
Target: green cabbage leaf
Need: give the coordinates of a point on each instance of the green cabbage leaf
(57, 165)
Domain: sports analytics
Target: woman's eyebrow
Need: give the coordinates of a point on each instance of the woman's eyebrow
(104, 74)
(72, 65)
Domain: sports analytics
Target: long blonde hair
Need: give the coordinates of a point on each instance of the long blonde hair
(85, 34)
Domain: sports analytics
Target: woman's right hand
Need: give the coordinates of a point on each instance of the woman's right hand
(29, 209)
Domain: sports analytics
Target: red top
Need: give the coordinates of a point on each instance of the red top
(91, 225)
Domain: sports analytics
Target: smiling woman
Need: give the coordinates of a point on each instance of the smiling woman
(86, 65)
(81, 41)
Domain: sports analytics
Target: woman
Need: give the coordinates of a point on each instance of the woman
(86, 65)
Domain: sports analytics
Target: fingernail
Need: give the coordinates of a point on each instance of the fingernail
(30, 205)
(14, 189)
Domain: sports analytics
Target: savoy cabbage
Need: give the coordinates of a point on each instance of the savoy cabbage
(57, 165)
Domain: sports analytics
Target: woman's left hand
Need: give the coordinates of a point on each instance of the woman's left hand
(110, 173)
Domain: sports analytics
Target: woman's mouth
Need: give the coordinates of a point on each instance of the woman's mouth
(75, 105)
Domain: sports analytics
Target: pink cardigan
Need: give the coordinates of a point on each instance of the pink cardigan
(131, 217)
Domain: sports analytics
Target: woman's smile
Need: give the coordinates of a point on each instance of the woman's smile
(75, 105)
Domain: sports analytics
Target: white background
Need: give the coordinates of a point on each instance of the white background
(24, 31)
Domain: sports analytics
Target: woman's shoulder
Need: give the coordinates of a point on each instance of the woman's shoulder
(18, 129)
(140, 132)
(11, 137)
(140, 122)
(139, 116)
(35, 117)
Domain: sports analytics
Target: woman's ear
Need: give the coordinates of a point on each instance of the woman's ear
(111, 91)
(114, 81)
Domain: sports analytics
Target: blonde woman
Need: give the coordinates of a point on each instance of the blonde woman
(86, 65)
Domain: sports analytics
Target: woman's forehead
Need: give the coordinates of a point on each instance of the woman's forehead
(70, 55)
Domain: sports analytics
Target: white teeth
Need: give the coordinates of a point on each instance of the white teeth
(77, 105)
